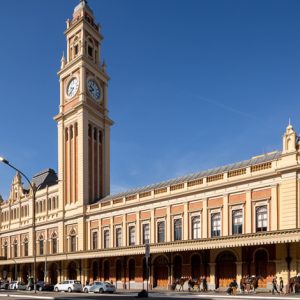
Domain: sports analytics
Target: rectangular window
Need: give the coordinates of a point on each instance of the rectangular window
(95, 240)
(237, 221)
(131, 235)
(215, 224)
(119, 237)
(146, 233)
(196, 234)
(160, 232)
(106, 238)
(261, 218)
(177, 230)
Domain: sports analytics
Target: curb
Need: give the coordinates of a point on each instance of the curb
(25, 296)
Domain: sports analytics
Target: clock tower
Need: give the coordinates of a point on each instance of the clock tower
(83, 122)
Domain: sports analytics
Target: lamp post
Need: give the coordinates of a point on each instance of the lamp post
(34, 190)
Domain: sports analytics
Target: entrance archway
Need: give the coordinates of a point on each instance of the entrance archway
(225, 269)
(196, 266)
(177, 267)
(95, 270)
(53, 273)
(72, 270)
(25, 273)
(106, 270)
(40, 272)
(261, 261)
(160, 272)
(131, 270)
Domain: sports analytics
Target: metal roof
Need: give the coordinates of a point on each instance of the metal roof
(235, 166)
(44, 178)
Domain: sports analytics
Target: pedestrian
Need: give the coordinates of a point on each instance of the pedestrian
(281, 285)
(274, 285)
(232, 288)
(204, 282)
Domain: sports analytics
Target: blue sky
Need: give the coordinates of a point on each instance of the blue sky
(194, 84)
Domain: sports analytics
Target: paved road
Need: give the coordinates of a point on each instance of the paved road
(133, 295)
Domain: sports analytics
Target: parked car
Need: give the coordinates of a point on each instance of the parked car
(68, 286)
(4, 284)
(17, 285)
(40, 286)
(99, 287)
(12, 285)
(44, 286)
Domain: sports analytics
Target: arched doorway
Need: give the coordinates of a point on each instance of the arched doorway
(225, 269)
(25, 273)
(196, 266)
(53, 273)
(40, 272)
(118, 270)
(177, 267)
(106, 270)
(261, 266)
(131, 270)
(72, 270)
(95, 270)
(160, 272)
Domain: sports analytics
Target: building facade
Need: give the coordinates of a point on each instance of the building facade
(223, 223)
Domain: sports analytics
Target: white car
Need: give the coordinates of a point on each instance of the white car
(68, 286)
(99, 287)
(17, 285)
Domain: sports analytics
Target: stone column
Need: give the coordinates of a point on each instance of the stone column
(274, 208)
(248, 212)
(185, 222)
(225, 216)
(168, 225)
(152, 227)
(204, 219)
(239, 272)
(212, 278)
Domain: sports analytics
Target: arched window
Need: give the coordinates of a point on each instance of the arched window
(25, 247)
(106, 238)
(54, 243)
(95, 240)
(237, 221)
(161, 232)
(177, 229)
(196, 233)
(15, 247)
(90, 48)
(261, 218)
(146, 233)
(215, 224)
(72, 241)
(118, 237)
(5, 247)
(131, 235)
(41, 244)
(131, 270)
(49, 204)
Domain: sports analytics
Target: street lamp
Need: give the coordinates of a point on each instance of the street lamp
(34, 190)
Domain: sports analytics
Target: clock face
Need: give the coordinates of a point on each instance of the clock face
(94, 89)
(72, 87)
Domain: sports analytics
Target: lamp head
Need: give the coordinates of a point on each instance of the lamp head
(2, 159)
